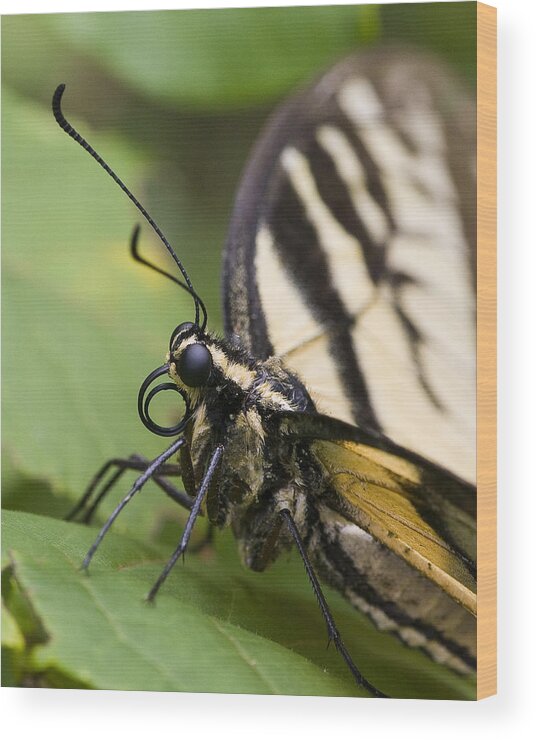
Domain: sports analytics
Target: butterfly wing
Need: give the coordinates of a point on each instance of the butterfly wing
(395, 534)
(351, 251)
(419, 511)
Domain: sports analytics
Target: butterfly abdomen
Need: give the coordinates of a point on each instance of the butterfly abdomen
(392, 594)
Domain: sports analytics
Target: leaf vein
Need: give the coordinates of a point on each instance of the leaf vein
(251, 662)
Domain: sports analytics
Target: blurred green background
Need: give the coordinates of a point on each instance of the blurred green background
(173, 101)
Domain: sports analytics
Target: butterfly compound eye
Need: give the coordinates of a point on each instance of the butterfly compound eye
(194, 365)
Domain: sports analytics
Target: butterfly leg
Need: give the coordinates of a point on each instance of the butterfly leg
(194, 513)
(85, 510)
(333, 632)
(151, 470)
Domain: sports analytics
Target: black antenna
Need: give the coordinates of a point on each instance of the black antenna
(73, 133)
(143, 261)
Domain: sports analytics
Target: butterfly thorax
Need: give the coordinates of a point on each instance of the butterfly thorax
(239, 406)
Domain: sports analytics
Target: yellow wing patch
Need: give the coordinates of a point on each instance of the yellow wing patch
(381, 493)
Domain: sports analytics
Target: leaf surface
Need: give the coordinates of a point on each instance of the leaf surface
(215, 627)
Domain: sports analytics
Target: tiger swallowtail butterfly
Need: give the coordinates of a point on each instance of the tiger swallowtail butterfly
(338, 414)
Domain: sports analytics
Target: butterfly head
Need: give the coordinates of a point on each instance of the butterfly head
(207, 368)
(190, 359)
(189, 368)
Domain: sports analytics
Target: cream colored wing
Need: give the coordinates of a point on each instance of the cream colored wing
(351, 251)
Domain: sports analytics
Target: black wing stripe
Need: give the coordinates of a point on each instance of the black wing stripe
(309, 269)
(372, 171)
(358, 582)
(415, 340)
(334, 193)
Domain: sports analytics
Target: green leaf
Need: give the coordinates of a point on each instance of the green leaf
(12, 650)
(215, 627)
(100, 631)
(222, 59)
(11, 634)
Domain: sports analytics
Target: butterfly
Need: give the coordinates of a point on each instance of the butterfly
(337, 416)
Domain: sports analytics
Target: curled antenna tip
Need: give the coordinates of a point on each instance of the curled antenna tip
(56, 104)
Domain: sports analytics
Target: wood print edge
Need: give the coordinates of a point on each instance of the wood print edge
(486, 349)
